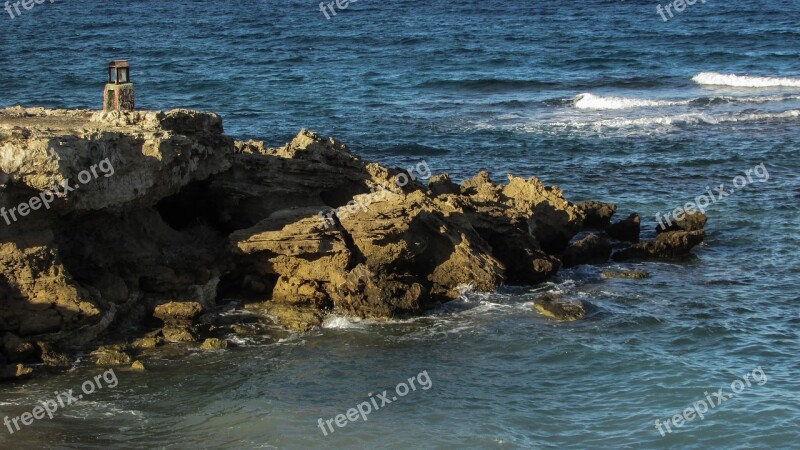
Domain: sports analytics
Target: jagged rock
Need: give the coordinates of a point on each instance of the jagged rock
(14, 372)
(442, 184)
(138, 366)
(51, 356)
(629, 274)
(179, 333)
(66, 271)
(147, 343)
(553, 307)
(626, 230)
(508, 234)
(178, 312)
(180, 211)
(295, 318)
(308, 171)
(355, 268)
(670, 245)
(214, 344)
(597, 214)
(112, 355)
(592, 249)
(691, 221)
(553, 220)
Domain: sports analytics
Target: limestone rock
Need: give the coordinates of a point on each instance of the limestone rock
(553, 307)
(111, 356)
(626, 230)
(629, 274)
(147, 343)
(295, 318)
(178, 312)
(597, 214)
(690, 221)
(14, 372)
(51, 356)
(138, 366)
(592, 249)
(178, 215)
(442, 184)
(71, 261)
(553, 219)
(669, 245)
(214, 344)
(179, 333)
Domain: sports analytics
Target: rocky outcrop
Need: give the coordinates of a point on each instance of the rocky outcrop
(82, 241)
(627, 230)
(161, 214)
(597, 215)
(670, 245)
(689, 221)
(592, 249)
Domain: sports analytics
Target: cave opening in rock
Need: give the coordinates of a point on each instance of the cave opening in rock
(192, 206)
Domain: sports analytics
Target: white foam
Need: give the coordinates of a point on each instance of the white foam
(680, 119)
(596, 102)
(342, 323)
(719, 79)
(591, 101)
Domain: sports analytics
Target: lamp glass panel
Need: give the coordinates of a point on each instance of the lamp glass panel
(122, 74)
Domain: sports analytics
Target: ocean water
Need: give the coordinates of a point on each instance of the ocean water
(603, 98)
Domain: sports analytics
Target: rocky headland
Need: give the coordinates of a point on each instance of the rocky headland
(134, 258)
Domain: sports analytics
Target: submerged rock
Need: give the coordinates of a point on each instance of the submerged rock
(214, 344)
(553, 307)
(630, 274)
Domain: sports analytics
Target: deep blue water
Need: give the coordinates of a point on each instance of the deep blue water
(468, 85)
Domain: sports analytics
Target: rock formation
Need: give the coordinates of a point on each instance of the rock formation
(158, 215)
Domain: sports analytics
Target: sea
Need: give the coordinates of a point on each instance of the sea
(609, 100)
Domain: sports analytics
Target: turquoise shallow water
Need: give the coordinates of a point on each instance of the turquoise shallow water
(468, 86)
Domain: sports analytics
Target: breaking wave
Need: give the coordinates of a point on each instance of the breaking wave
(719, 79)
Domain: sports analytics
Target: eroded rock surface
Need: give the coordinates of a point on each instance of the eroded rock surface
(177, 216)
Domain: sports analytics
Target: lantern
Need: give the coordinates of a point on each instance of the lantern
(118, 94)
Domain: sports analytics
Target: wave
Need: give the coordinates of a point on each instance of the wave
(689, 119)
(591, 101)
(719, 79)
(641, 123)
(596, 102)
